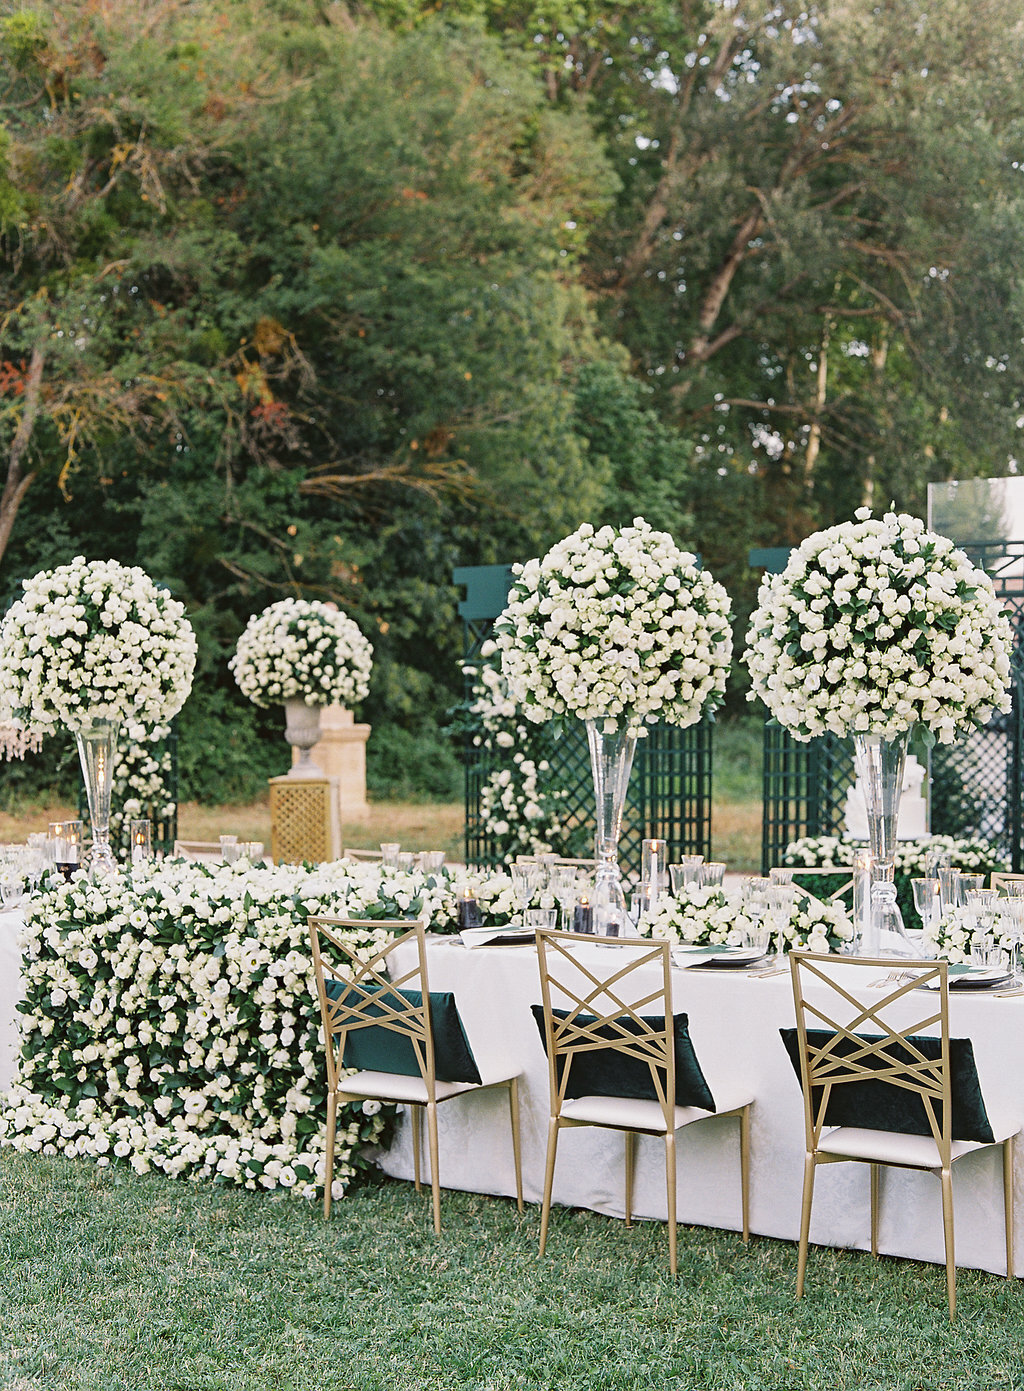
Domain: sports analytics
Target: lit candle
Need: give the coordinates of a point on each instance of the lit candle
(469, 909)
(141, 837)
(583, 916)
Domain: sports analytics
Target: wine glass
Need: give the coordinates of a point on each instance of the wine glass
(526, 880)
(562, 883)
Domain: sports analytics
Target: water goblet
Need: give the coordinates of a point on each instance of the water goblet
(926, 901)
(389, 854)
(712, 875)
(525, 883)
(950, 892)
(687, 871)
(780, 874)
(562, 882)
(781, 899)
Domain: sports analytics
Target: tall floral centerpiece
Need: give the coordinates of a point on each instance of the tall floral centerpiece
(302, 654)
(618, 628)
(877, 627)
(88, 646)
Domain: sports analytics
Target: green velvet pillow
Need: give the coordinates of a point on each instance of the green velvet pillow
(374, 1048)
(607, 1072)
(879, 1105)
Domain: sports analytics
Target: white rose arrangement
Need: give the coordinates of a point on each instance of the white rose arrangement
(876, 626)
(616, 624)
(302, 649)
(94, 640)
(700, 916)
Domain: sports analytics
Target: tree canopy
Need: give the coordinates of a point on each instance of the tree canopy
(317, 298)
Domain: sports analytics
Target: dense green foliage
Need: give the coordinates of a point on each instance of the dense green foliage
(305, 298)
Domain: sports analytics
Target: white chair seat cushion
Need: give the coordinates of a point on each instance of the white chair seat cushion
(394, 1086)
(890, 1147)
(628, 1113)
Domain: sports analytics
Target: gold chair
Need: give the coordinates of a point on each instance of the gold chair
(203, 851)
(367, 856)
(841, 891)
(896, 1096)
(612, 1064)
(997, 879)
(393, 1040)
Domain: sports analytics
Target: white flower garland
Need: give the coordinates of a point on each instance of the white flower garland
(875, 626)
(616, 624)
(976, 856)
(302, 648)
(94, 640)
(714, 917)
(519, 802)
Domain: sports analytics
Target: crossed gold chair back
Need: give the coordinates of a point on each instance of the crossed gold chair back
(864, 1043)
(599, 1003)
(373, 998)
(825, 1068)
(613, 1010)
(841, 891)
(998, 879)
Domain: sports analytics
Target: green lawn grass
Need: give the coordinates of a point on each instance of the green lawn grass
(112, 1281)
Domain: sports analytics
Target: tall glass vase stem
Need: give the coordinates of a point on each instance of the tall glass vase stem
(880, 763)
(97, 746)
(611, 760)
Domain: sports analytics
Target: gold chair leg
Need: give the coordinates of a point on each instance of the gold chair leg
(630, 1138)
(435, 1180)
(874, 1210)
(549, 1179)
(513, 1106)
(745, 1170)
(670, 1184)
(805, 1224)
(1008, 1202)
(332, 1125)
(417, 1143)
(947, 1231)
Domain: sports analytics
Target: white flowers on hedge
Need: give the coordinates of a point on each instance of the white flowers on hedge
(302, 648)
(170, 1019)
(875, 626)
(95, 640)
(616, 624)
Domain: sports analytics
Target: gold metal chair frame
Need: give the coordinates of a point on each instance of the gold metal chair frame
(824, 872)
(873, 1059)
(997, 879)
(605, 1000)
(380, 1005)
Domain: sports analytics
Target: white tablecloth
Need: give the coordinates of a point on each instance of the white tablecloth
(734, 1024)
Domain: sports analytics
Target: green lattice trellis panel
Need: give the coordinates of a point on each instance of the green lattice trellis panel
(669, 794)
(805, 787)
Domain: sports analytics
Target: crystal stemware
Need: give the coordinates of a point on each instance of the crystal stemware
(526, 880)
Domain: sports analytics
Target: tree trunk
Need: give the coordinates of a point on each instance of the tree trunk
(18, 481)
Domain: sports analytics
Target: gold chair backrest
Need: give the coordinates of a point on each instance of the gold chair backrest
(891, 1056)
(606, 1009)
(841, 891)
(371, 998)
(997, 879)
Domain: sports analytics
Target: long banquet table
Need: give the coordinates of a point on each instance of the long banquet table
(734, 1022)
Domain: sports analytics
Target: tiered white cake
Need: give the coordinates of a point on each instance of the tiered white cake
(913, 818)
